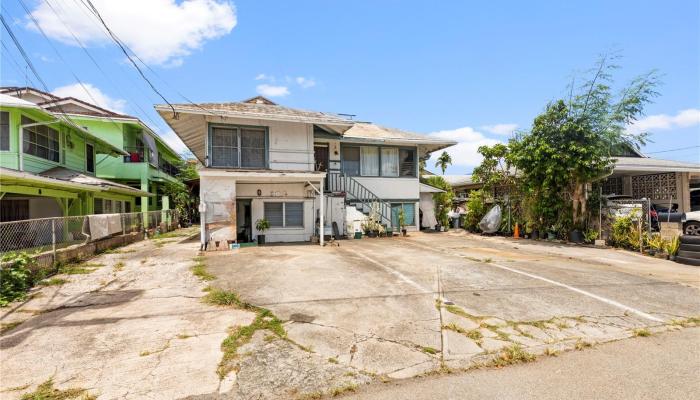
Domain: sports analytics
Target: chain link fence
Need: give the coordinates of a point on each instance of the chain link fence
(49, 234)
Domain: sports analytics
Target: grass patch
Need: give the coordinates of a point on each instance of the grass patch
(333, 360)
(692, 321)
(225, 298)
(160, 350)
(488, 260)
(512, 355)
(458, 311)
(348, 387)
(46, 391)
(643, 332)
(429, 350)
(581, 344)
(79, 269)
(551, 353)
(200, 270)
(183, 336)
(172, 234)
(310, 396)
(53, 282)
(4, 328)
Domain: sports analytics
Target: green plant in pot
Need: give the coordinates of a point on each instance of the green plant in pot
(672, 247)
(262, 225)
(590, 235)
(402, 221)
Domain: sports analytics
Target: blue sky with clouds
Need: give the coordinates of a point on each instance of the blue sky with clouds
(464, 70)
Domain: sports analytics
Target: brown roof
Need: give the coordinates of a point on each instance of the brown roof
(68, 175)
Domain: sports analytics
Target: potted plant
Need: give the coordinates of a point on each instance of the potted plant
(262, 225)
(656, 244)
(672, 247)
(402, 222)
(576, 236)
(590, 236)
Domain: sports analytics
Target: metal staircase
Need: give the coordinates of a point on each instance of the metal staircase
(358, 194)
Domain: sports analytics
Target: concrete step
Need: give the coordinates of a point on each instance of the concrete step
(688, 261)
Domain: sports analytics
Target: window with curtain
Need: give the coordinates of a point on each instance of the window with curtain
(407, 162)
(351, 161)
(284, 214)
(224, 147)
(252, 147)
(390, 161)
(4, 130)
(40, 141)
(369, 161)
(409, 210)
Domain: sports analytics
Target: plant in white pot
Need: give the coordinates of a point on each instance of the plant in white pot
(402, 221)
(262, 225)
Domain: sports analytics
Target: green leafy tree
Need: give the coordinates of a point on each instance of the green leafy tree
(443, 161)
(573, 142)
(180, 195)
(442, 201)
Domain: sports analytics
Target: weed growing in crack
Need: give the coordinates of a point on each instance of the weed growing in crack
(54, 282)
(581, 344)
(46, 391)
(348, 387)
(310, 396)
(473, 334)
(643, 332)
(429, 350)
(687, 322)
(333, 360)
(160, 350)
(200, 270)
(79, 269)
(550, 352)
(4, 328)
(118, 267)
(512, 355)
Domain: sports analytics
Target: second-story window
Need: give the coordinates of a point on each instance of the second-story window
(385, 161)
(40, 141)
(90, 158)
(238, 147)
(4, 130)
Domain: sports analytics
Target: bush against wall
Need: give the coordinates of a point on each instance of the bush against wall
(476, 209)
(15, 276)
(442, 201)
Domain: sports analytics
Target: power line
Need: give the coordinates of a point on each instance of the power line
(22, 52)
(16, 65)
(671, 150)
(118, 42)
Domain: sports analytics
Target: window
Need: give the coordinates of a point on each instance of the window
(40, 141)
(378, 161)
(390, 161)
(409, 210)
(4, 130)
(107, 206)
(351, 161)
(285, 215)
(407, 162)
(98, 207)
(369, 161)
(90, 157)
(235, 147)
(13, 210)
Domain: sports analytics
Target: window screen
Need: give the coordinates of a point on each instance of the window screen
(274, 214)
(40, 141)
(224, 147)
(252, 148)
(407, 162)
(294, 214)
(90, 157)
(390, 161)
(351, 161)
(369, 158)
(4, 130)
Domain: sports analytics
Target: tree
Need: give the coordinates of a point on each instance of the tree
(573, 142)
(443, 161)
(442, 201)
(178, 192)
(496, 168)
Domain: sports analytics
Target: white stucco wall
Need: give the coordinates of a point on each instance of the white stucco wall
(392, 188)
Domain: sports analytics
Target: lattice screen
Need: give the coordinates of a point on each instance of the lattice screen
(613, 185)
(657, 186)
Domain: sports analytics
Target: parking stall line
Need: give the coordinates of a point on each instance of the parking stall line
(556, 283)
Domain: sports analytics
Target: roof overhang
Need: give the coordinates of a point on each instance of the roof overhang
(645, 165)
(424, 188)
(263, 176)
(10, 176)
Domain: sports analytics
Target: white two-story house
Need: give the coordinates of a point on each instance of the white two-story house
(299, 170)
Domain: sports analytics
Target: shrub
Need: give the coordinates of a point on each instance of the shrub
(15, 276)
(476, 209)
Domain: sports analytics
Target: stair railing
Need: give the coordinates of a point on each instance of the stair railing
(339, 182)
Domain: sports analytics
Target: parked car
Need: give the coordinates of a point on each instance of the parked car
(691, 223)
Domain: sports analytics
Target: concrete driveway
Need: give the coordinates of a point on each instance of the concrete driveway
(401, 307)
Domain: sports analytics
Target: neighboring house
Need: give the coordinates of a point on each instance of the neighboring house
(297, 169)
(148, 162)
(48, 164)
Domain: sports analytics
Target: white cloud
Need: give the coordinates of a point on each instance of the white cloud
(305, 83)
(91, 94)
(264, 77)
(464, 153)
(158, 31)
(272, 90)
(684, 119)
(500, 129)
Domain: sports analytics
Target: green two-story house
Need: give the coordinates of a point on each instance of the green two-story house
(146, 161)
(48, 166)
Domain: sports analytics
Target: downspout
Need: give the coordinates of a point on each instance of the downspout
(20, 145)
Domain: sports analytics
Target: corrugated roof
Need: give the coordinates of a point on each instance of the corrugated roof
(368, 131)
(69, 175)
(646, 164)
(458, 180)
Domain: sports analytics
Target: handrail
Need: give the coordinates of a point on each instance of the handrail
(339, 182)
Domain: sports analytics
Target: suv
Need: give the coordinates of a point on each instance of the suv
(691, 223)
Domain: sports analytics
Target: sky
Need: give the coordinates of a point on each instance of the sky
(469, 71)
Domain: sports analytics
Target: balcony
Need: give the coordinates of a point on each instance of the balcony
(136, 155)
(168, 168)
